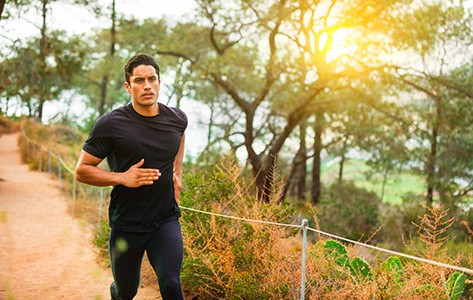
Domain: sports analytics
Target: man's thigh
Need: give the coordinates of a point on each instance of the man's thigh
(126, 252)
(165, 250)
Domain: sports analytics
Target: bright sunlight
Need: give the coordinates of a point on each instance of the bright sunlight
(338, 45)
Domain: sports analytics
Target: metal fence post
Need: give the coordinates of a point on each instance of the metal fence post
(304, 225)
(41, 158)
(73, 197)
(49, 162)
(34, 151)
(101, 201)
(27, 156)
(59, 172)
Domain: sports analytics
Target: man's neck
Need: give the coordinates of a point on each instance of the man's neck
(147, 111)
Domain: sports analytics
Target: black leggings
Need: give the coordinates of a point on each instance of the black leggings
(165, 251)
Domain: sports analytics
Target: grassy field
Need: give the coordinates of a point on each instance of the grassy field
(397, 185)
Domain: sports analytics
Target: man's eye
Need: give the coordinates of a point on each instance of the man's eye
(139, 80)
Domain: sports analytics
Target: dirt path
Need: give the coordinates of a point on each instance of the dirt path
(43, 254)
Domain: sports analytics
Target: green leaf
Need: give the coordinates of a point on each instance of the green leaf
(455, 285)
(393, 266)
(359, 268)
(336, 251)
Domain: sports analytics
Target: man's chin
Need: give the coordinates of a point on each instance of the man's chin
(147, 103)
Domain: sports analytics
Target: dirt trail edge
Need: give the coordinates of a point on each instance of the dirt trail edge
(43, 253)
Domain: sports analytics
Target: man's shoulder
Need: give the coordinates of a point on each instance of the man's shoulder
(174, 111)
(107, 118)
(116, 112)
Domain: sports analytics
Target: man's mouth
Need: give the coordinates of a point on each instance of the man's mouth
(148, 95)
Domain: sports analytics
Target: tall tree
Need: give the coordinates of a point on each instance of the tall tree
(25, 78)
(105, 79)
(274, 60)
(445, 48)
(45, 53)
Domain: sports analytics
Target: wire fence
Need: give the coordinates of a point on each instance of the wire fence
(33, 148)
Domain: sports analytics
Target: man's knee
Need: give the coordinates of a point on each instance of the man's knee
(170, 288)
(122, 295)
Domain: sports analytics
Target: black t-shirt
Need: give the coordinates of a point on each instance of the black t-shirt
(124, 137)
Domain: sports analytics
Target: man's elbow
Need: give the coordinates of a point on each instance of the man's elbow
(79, 174)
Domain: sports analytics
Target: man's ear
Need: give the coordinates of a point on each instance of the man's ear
(127, 87)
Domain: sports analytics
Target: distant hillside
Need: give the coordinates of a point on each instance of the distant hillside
(356, 170)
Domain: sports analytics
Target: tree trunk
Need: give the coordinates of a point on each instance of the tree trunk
(103, 86)
(431, 167)
(264, 173)
(342, 162)
(103, 94)
(295, 184)
(385, 180)
(316, 183)
(301, 170)
(2, 5)
(432, 158)
(42, 58)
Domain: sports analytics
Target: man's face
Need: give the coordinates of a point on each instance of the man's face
(144, 86)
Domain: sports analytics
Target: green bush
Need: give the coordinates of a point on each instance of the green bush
(101, 238)
(235, 259)
(349, 211)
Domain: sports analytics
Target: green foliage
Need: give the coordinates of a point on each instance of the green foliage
(34, 77)
(393, 267)
(234, 259)
(348, 211)
(455, 285)
(359, 269)
(337, 251)
(101, 238)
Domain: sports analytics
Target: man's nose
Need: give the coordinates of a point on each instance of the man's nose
(147, 84)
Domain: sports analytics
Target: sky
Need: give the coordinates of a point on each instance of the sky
(76, 20)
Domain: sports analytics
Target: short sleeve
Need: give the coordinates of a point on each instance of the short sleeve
(182, 117)
(100, 140)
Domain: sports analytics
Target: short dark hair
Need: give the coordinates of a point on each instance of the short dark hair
(140, 59)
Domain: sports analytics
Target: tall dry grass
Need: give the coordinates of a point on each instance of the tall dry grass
(237, 259)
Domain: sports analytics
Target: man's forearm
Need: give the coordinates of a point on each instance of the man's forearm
(87, 171)
(99, 177)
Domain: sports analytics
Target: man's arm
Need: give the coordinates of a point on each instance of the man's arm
(87, 171)
(177, 172)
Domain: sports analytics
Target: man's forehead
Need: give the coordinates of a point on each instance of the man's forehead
(144, 71)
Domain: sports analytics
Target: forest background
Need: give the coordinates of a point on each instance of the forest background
(357, 114)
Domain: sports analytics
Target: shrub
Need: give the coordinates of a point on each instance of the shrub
(235, 259)
(349, 211)
(6, 125)
(101, 239)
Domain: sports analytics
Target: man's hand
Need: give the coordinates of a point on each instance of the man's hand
(136, 176)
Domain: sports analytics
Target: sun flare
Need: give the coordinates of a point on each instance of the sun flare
(337, 44)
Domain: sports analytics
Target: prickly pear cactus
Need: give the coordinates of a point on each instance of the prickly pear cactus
(359, 269)
(337, 251)
(393, 266)
(455, 285)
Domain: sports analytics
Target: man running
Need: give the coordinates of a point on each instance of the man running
(144, 146)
